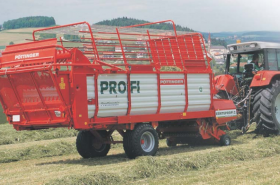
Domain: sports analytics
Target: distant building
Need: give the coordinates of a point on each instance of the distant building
(218, 52)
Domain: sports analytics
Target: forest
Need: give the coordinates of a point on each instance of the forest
(29, 22)
(125, 21)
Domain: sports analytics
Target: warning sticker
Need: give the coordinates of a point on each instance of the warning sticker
(62, 84)
(225, 113)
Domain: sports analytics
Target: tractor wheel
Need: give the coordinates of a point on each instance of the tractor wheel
(225, 140)
(141, 141)
(266, 109)
(170, 143)
(88, 146)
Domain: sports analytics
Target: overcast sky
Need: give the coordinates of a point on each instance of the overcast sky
(201, 15)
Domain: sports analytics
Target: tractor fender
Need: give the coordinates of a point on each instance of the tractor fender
(264, 78)
(225, 83)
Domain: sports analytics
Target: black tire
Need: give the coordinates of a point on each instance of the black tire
(225, 140)
(132, 141)
(85, 145)
(170, 143)
(127, 144)
(264, 109)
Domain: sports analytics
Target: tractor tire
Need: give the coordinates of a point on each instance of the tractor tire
(225, 140)
(141, 141)
(170, 143)
(89, 147)
(266, 109)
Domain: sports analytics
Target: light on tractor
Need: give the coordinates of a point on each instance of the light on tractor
(258, 76)
(252, 45)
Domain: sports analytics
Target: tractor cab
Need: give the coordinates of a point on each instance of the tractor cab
(242, 54)
(252, 81)
(244, 61)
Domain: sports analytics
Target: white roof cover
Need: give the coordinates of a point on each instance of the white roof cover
(249, 46)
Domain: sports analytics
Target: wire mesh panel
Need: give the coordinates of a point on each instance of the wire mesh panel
(195, 51)
(166, 52)
(128, 46)
(182, 51)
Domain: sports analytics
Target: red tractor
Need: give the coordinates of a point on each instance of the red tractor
(252, 81)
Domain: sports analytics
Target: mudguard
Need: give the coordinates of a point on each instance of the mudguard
(225, 83)
(263, 78)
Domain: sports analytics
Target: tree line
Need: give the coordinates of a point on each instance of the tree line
(125, 21)
(26, 22)
(218, 42)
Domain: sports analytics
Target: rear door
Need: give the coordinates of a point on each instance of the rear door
(33, 98)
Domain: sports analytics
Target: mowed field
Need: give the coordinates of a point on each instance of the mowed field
(16, 36)
(50, 157)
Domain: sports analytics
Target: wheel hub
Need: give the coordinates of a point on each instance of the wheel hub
(277, 108)
(97, 145)
(147, 141)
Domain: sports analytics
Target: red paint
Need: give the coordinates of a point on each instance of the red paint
(264, 78)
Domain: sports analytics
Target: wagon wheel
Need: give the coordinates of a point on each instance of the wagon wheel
(141, 141)
(88, 146)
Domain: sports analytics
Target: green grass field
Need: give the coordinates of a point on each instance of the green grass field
(3, 118)
(251, 159)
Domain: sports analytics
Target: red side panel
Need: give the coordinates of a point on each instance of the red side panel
(225, 110)
(15, 54)
(80, 103)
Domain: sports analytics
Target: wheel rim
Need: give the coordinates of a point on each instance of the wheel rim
(277, 108)
(147, 141)
(97, 145)
(227, 142)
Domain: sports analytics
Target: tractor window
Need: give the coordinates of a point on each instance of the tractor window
(272, 60)
(278, 58)
(248, 58)
(245, 59)
(238, 61)
(233, 64)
